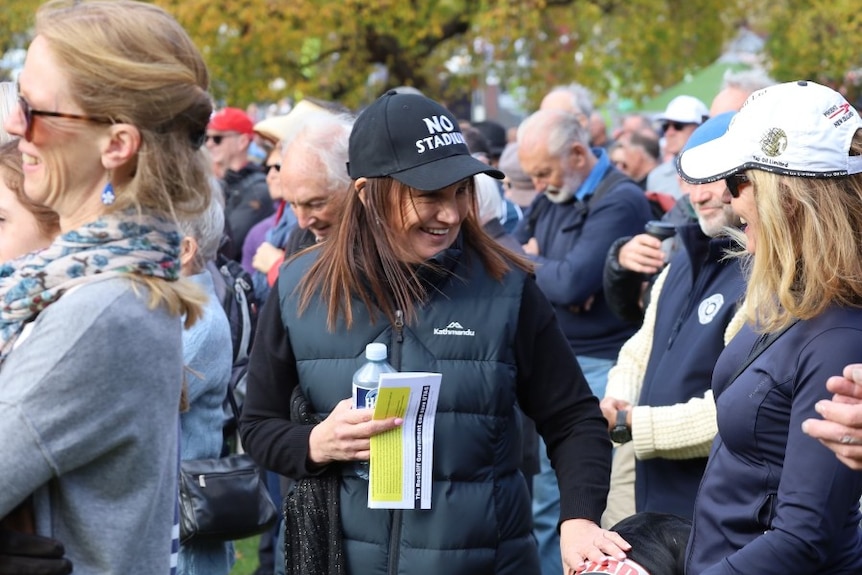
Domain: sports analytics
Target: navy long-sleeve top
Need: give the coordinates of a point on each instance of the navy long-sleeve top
(774, 500)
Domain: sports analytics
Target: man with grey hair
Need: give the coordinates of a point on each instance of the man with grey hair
(641, 151)
(313, 181)
(572, 98)
(736, 87)
(584, 204)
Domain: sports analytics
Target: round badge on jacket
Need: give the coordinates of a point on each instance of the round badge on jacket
(709, 308)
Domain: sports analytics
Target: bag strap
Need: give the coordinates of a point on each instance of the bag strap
(612, 178)
(233, 405)
(763, 342)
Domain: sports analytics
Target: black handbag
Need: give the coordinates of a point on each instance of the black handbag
(225, 498)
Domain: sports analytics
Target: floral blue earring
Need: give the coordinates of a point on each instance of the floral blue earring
(108, 195)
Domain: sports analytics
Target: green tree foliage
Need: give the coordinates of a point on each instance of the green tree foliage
(818, 40)
(330, 48)
(352, 50)
(15, 21)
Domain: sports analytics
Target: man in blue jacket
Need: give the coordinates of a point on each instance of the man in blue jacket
(658, 394)
(584, 204)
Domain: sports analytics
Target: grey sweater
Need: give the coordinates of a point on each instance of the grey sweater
(88, 421)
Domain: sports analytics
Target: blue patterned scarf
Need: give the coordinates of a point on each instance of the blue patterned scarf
(114, 245)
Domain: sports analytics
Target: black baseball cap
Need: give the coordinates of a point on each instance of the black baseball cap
(414, 140)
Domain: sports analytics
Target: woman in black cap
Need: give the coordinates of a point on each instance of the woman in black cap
(409, 257)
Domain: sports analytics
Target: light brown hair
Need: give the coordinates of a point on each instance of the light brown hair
(133, 63)
(808, 246)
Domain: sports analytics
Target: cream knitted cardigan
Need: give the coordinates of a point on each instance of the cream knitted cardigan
(680, 431)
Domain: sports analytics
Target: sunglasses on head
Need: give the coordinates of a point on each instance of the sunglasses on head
(734, 181)
(218, 138)
(678, 126)
(29, 113)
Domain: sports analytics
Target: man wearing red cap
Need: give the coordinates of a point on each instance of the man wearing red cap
(247, 199)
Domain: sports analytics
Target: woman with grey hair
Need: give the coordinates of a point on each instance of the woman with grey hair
(207, 348)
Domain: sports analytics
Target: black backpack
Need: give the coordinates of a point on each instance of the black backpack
(236, 294)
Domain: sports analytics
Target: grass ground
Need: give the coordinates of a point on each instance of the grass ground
(246, 556)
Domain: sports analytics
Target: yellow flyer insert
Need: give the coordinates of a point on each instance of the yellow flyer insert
(401, 459)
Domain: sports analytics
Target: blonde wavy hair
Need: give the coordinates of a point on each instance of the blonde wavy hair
(809, 246)
(133, 63)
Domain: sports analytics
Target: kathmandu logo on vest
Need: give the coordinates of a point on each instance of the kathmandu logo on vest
(708, 308)
(443, 133)
(454, 328)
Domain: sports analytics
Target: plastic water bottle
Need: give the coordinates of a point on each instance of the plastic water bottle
(366, 380)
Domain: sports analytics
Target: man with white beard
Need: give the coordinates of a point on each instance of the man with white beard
(583, 205)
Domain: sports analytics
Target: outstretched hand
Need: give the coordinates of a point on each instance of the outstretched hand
(841, 427)
(582, 541)
(345, 434)
(26, 554)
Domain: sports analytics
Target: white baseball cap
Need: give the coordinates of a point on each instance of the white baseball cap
(798, 129)
(685, 110)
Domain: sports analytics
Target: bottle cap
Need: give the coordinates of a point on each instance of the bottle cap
(375, 351)
(660, 230)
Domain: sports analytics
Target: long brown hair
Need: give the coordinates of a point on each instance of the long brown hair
(364, 258)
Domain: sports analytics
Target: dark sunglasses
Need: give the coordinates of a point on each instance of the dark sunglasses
(217, 138)
(29, 113)
(678, 126)
(276, 167)
(734, 181)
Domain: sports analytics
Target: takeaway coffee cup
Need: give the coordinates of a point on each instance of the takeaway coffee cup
(663, 231)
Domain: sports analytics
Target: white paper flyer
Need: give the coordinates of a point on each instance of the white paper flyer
(401, 459)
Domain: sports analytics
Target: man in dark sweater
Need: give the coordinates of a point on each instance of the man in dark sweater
(584, 204)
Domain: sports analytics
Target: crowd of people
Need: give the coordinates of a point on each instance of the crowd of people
(681, 403)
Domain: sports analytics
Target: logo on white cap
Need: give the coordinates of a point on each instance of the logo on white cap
(799, 129)
(773, 142)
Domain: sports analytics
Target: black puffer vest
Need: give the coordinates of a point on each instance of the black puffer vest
(480, 517)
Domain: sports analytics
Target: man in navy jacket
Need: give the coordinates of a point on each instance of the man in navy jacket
(584, 204)
(665, 370)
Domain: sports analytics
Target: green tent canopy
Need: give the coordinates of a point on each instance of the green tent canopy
(703, 85)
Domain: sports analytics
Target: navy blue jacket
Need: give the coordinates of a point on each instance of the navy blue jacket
(773, 500)
(698, 300)
(574, 239)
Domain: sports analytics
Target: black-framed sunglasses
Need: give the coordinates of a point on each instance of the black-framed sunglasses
(734, 181)
(678, 126)
(276, 167)
(218, 138)
(29, 113)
